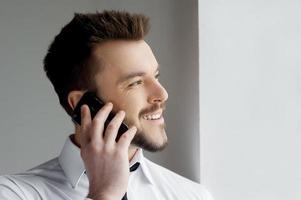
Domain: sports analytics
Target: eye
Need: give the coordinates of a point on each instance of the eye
(157, 76)
(135, 83)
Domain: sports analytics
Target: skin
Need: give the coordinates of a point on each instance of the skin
(107, 161)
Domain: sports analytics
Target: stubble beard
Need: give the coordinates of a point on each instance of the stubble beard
(143, 137)
(145, 142)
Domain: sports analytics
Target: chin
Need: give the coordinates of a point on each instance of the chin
(150, 144)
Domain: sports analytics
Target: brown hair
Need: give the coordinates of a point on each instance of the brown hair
(67, 61)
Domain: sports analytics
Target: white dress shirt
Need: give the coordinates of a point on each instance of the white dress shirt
(64, 178)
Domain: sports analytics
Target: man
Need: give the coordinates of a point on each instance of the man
(105, 53)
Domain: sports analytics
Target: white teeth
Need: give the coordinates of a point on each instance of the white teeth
(152, 117)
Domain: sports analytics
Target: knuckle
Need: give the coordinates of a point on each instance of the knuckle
(125, 136)
(96, 121)
(107, 149)
(94, 148)
(111, 126)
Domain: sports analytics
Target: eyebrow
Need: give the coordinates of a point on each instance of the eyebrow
(133, 75)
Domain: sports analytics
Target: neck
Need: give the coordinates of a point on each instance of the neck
(75, 138)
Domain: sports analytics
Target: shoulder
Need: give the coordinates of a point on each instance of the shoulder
(49, 171)
(14, 188)
(9, 189)
(29, 184)
(177, 184)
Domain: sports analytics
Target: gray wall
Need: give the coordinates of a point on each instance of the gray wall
(34, 126)
(250, 98)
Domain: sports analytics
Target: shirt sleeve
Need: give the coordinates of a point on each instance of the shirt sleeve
(9, 190)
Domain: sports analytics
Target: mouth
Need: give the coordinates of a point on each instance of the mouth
(156, 117)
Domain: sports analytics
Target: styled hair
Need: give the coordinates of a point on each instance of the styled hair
(67, 61)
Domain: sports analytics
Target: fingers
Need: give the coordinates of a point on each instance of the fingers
(99, 121)
(126, 138)
(113, 127)
(85, 123)
(91, 130)
(85, 117)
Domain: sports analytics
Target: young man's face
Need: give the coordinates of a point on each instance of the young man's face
(129, 79)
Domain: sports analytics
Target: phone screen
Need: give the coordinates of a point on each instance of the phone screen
(95, 104)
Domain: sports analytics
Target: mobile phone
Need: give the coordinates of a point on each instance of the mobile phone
(95, 104)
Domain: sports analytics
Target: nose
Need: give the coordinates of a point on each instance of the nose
(158, 94)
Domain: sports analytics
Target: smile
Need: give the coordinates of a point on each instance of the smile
(153, 116)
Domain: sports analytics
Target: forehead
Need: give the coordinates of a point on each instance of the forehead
(122, 57)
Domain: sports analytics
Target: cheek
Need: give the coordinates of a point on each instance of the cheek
(133, 107)
(133, 103)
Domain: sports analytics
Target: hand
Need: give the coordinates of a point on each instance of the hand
(106, 160)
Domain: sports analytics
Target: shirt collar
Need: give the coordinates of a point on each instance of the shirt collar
(74, 168)
(71, 162)
(139, 157)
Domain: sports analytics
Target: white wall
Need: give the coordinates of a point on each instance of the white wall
(250, 98)
(34, 127)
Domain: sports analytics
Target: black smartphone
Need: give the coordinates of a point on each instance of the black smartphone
(95, 104)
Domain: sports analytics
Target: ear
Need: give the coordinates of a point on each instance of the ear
(74, 97)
